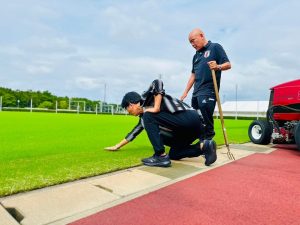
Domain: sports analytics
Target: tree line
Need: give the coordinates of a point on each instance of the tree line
(42, 99)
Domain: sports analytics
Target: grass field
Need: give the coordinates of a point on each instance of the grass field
(42, 149)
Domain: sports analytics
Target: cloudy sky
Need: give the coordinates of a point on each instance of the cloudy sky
(74, 48)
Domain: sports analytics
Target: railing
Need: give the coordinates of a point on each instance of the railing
(105, 110)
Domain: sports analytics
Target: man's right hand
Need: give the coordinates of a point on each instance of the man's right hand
(112, 148)
(183, 96)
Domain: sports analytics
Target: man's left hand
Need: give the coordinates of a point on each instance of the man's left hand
(112, 148)
(213, 65)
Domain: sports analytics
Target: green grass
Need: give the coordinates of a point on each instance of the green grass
(42, 149)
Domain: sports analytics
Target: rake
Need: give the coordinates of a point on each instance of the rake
(229, 154)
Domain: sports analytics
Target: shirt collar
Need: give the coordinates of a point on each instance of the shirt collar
(204, 47)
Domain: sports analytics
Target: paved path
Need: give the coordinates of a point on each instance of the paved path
(62, 204)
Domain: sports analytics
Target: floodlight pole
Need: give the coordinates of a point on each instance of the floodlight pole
(30, 105)
(56, 106)
(104, 97)
(0, 103)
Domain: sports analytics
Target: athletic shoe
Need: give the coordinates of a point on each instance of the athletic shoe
(161, 161)
(209, 148)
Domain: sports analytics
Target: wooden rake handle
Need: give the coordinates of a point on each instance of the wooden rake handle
(230, 155)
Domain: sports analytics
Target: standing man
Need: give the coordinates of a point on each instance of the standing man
(167, 121)
(209, 56)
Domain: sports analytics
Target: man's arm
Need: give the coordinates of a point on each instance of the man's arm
(221, 62)
(188, 86)
(157, 103)
(129, 137)
(214, 66)
(117, 146)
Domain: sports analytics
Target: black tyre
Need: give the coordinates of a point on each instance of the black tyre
(297, 135)
(260, 132)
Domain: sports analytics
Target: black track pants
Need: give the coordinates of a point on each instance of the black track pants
(206, 105)
(186, 127)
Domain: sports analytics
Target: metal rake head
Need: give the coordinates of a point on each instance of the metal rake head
(229, 154)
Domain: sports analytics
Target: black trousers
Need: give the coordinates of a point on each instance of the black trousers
(207, 105)
(177, 130)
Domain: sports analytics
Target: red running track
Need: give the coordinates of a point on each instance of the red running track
(258, 189)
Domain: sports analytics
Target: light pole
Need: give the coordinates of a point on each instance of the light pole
(18, 101)
(104, 97)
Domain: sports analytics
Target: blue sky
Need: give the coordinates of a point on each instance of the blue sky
(72, 48)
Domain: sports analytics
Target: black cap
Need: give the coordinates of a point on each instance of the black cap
(130, 97)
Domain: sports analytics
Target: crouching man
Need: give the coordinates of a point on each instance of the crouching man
(167, 121)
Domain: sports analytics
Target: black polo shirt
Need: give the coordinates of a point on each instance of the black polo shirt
(203, 79)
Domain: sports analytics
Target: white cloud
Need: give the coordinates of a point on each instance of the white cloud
(11, 51)
(88, 83)
(38, 69)
(122, 24)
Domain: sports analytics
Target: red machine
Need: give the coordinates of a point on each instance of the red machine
(283, 117)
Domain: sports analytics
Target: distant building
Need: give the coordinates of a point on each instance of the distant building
(244, 108)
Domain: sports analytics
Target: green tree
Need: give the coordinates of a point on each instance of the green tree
(9, 100)
(46, 105)
(63, 104)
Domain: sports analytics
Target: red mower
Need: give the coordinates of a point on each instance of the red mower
(283, 117)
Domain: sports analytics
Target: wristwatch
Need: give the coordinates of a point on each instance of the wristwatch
(219, 67)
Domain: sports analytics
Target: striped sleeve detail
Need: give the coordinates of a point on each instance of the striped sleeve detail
(135, 131)
(175, 105)
(158, 87)
(169, 104)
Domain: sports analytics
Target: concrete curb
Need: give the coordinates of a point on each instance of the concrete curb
(62, 204)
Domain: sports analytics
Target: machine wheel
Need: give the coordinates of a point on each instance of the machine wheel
(260, 132)
(297, 135)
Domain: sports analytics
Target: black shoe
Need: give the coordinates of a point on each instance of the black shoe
(161, 161)
(209, 148)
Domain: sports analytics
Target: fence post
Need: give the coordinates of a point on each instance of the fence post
(236, 113)
(70, 103)
(31, 105)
